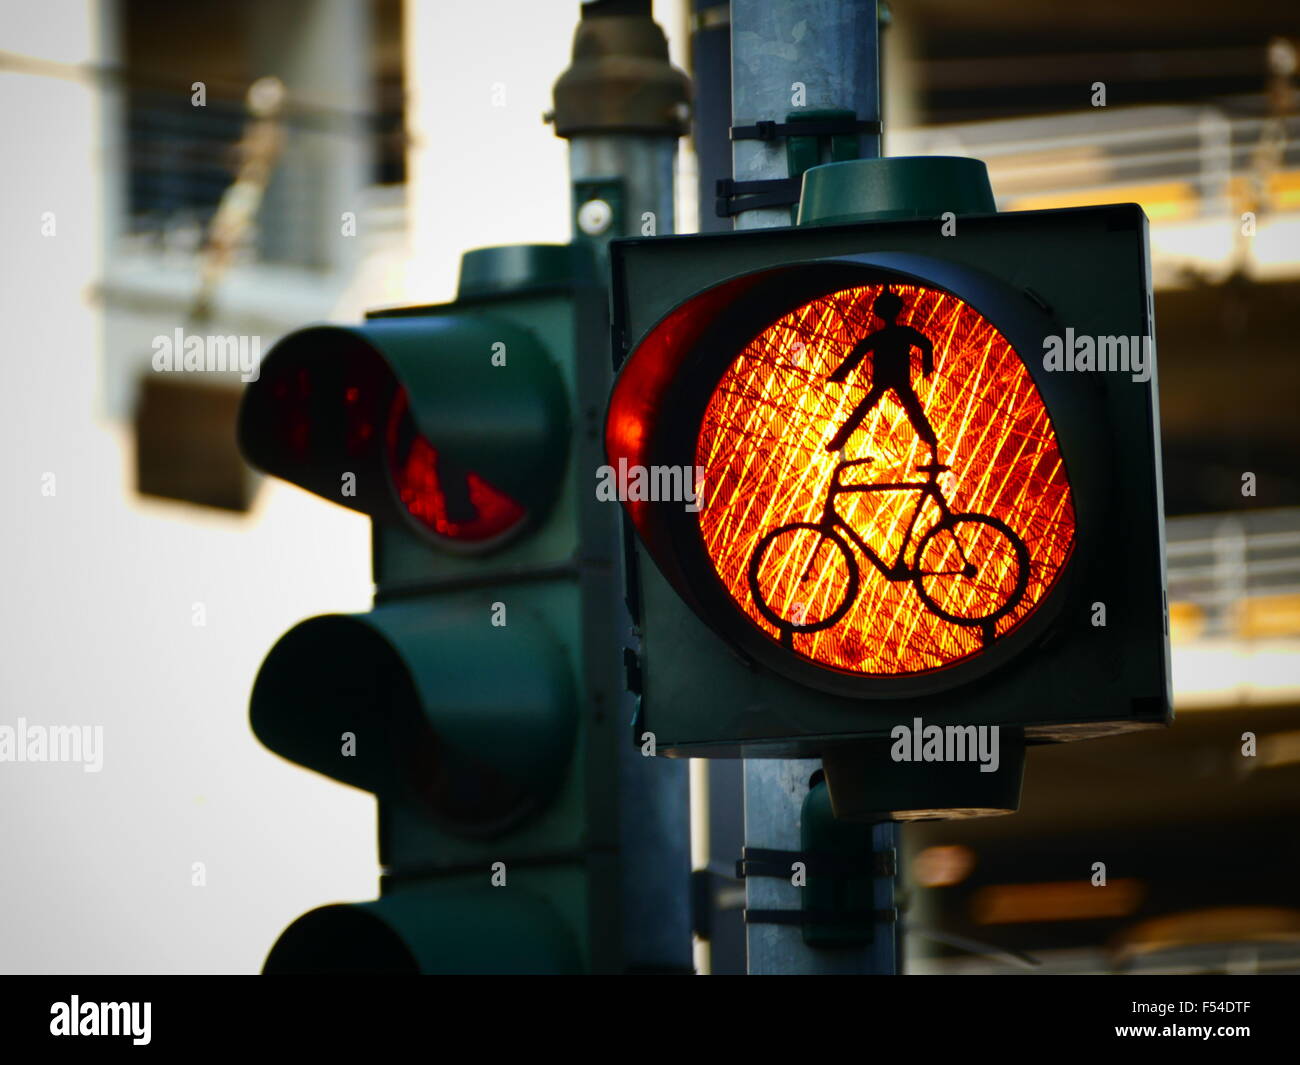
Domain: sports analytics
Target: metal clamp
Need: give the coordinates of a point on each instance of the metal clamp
(765, 862)
(733, 197)
(835, 918)
(839, 886)
(768, 130)
(808, 136)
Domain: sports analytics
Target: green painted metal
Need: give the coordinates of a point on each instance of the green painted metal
(804, 153)
(483, 742)
(1083, 268)
(508, 422)
(411, 702)
(513, 269)
(866, 783)
(437, 929)
(483, 387)
(517, 442)
(866, 190)
(402, 555)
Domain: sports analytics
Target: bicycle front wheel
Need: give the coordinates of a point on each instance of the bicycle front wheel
(803, 577)
(971, 569)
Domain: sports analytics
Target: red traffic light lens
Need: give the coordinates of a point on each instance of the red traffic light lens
(445, 500)
(883, 489)
(400, 420)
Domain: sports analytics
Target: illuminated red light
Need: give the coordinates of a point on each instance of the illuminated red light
(455, 504)
(639, 393)
(830, 518)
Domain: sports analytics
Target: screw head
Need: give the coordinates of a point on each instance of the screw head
(594, 217)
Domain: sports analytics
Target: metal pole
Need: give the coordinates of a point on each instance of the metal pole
(720, 779)
(786, 56)
(711, 77)
(622, 107)
(794, 55)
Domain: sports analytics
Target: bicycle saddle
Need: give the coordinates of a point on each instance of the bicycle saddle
(936, 467)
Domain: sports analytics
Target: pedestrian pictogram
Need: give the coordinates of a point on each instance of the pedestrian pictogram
(891, 371)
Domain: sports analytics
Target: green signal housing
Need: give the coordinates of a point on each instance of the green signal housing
(482, 700)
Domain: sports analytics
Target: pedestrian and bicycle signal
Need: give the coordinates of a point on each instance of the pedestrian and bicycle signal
(865, 552)
(902, 508)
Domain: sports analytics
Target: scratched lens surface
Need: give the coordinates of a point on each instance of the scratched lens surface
(883, 567)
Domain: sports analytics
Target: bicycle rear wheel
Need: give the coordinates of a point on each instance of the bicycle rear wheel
(803, 577)
(971, 569)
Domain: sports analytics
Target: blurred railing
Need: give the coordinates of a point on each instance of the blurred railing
(1234, 609)
(1179, 162)
(1235, 576)
(181, 159)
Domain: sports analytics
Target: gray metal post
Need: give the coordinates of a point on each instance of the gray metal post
(622, 107)
(654, 793)
(711, 81)
(788, 55)
(793, 55)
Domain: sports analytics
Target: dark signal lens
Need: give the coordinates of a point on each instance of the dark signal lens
(331, 411)
(291, 394)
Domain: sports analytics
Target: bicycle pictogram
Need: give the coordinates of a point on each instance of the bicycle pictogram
(969, 569)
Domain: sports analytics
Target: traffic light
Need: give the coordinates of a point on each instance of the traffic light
(926, 485)
(480, 700)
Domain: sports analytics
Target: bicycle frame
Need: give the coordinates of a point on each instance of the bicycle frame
(928, 489)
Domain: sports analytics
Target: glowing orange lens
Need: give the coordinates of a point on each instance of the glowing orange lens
(826, 510)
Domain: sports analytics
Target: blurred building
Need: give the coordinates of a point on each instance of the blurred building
(1200, 125)
(138, 205)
